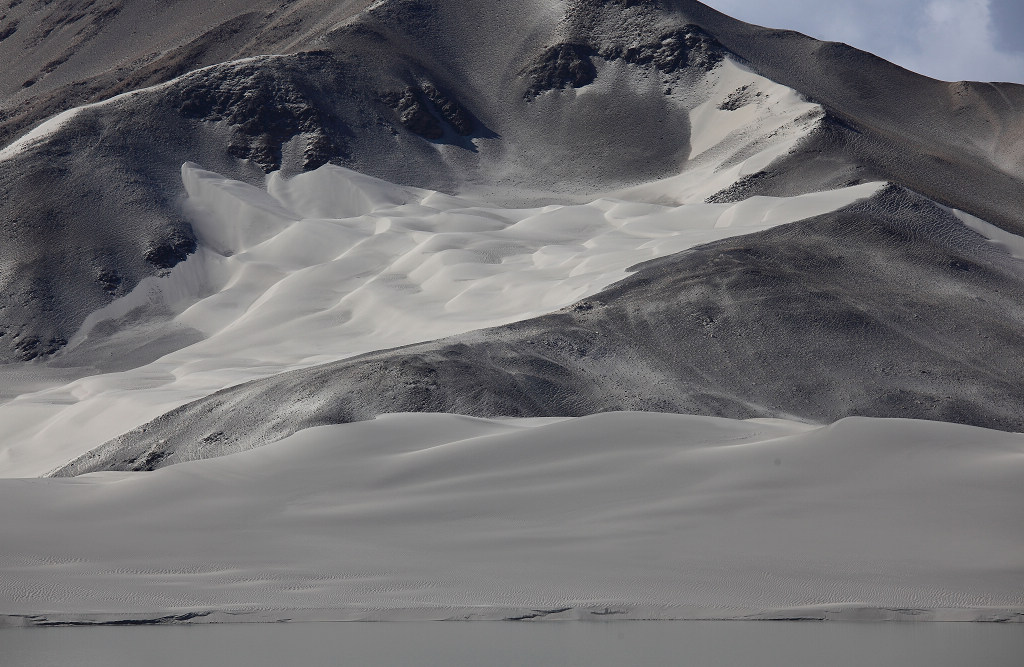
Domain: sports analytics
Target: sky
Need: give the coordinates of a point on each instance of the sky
(981, 40)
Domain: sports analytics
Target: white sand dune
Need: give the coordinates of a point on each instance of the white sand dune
(333, 263)
(746, 123)
(633, 514)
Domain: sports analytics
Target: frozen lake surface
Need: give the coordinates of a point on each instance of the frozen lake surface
(705, 643)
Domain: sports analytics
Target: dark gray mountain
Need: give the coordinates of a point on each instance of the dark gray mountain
(888, 308)
(64, 53)
(455, 95)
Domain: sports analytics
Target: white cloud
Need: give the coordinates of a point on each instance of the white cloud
(946, 39)
(956, 40)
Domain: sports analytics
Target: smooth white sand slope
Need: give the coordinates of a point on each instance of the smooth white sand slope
(436, 516)
(745, 123)
(333, 263)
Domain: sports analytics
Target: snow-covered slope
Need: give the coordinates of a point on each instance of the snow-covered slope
(621, 515)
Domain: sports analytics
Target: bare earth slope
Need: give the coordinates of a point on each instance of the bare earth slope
(67, 53)
(580, 98)
(889, 307)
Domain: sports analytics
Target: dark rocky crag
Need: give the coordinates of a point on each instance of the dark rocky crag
(429, 113)
(560, 66)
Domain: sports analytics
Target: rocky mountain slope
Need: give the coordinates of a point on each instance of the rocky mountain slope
(589, 96)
